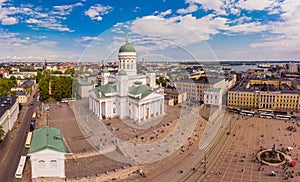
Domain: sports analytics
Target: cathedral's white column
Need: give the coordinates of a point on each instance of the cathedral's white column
(100, 110)
(94, 105)
(139, 110)
(145, 112)
(162, 106)
(150, 109)
(157, 107)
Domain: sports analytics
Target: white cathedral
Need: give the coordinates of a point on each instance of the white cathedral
(128, 94)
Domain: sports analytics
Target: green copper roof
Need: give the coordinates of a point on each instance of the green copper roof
(47, 138)
(210, 89)
(105, 89)
(105, 70)
(144, 90)
(126, 47)
(122, 72)
(83, 82)
(150, 70)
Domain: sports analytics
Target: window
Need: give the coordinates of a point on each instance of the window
(53, 164)
(41, 164)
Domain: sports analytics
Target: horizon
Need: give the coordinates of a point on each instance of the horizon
(83, 30)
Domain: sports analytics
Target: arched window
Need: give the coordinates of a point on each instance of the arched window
(53, 164)
(42, 164)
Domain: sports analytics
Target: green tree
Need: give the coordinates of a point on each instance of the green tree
(38, 76)
(44, 89)
(56, 88)
(61, 87)
(4, 87)
(72, 72)
(12, 82)
(161, 81)
(56, 72)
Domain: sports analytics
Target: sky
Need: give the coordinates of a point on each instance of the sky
(93, 30)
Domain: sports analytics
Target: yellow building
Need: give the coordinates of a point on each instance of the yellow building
(178, 96)
(265, 94)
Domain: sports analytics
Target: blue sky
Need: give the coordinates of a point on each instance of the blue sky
(166, 29)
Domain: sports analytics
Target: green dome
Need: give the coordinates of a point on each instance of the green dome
(122, 72)
(127, 47)
(150, 70)
(105, 70)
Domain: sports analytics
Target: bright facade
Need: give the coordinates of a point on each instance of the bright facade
(265, 94)
(47, 153)
(213, 96)
(9, 110)
(128, 94)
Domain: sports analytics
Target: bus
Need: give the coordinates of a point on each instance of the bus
(265, 111)
(266, 115)
(20, 169)
(283, 117)
(28, 140)
(65, 100)
(34, 116)
(233, 110)
(247, 113)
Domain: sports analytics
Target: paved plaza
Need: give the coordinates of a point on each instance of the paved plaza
(237, 160)
(181, 144)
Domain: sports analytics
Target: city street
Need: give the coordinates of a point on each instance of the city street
(12, 146)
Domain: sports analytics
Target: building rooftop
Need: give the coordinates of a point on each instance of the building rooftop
(83, 82)
(104, 90)
(29, 84)
(172, 91)
(19, 93)
(47, 138)
(6, 103)
(265, 87)
(142, 91)
(210, 89)
(202, 80)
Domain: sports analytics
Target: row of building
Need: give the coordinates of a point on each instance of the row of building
(277, 94)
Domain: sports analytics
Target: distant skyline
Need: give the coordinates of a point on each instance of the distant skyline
(185, 30)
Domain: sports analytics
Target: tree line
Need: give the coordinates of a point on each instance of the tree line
(55, 87)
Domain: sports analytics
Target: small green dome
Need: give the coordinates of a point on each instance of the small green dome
(150, 70)
(126, 47)
(122, 72)
(105, 70)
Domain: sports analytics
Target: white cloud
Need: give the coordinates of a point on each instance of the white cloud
(165, 13)
(97, 11)
(9, 21)
(32, 20)
(254, 4)
(16, 47)
(286, 33)
(65, 9)
(183, 30)
(216, 5)
(87, 39)
(190, 9)
(247, 28)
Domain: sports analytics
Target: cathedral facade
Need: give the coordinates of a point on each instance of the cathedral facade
(127, 94)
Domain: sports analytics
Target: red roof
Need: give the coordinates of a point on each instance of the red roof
(4, 71)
